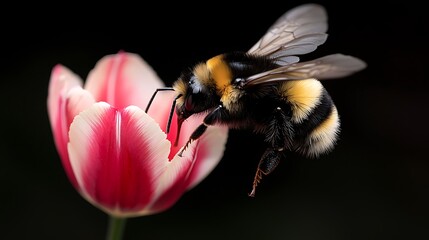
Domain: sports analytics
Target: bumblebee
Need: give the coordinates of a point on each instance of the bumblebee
(268, 90)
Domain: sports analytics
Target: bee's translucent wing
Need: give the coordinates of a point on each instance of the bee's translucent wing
(298, 31)
(328, 67)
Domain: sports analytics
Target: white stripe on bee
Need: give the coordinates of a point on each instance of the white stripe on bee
(196, 85)
(303, 96)
(324, 136)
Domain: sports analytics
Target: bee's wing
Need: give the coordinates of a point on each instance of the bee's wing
(298, 31)
(328, 67)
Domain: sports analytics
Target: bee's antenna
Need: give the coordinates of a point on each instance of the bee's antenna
(153, 96)
(171, 112)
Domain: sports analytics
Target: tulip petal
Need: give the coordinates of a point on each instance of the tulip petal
(61, 82)
(172, 183)
(188, 127)
(123, 79)
(118, 157)
(204, 155)
(160, 111)
(78, 100)
(210, 149)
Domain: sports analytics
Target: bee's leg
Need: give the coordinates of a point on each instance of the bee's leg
(210, 119)
(154, 94)
(278, 135)
(267, 164)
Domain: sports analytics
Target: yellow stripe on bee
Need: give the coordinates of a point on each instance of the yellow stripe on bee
(202, 74)
(323, 137)
(303, 96)
(220, 73)
(230, 99)
(180, 87)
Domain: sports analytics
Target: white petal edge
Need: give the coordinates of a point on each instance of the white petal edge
(61, 81)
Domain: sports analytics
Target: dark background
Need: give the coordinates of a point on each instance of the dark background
(374, 185)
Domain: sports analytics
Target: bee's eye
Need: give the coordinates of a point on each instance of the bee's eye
(189, 104)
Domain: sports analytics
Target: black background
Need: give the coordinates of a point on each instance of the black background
(374, 185)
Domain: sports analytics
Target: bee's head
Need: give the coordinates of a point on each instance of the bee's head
(195, 91)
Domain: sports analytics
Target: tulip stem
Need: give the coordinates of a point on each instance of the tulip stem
(115, 228)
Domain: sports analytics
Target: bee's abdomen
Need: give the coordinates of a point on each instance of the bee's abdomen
(314, 116)
(324, 136)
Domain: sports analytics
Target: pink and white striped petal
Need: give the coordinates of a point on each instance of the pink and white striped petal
(172, 183)
(61, 82)
(210, 149)
(120, 158)
(78, 100)
(123, 79)
(213, 139)
(203, 155)
(160, 110)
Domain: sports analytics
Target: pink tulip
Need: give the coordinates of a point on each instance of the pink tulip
(118, 157)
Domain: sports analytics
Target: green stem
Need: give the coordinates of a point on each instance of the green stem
(116, 228)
